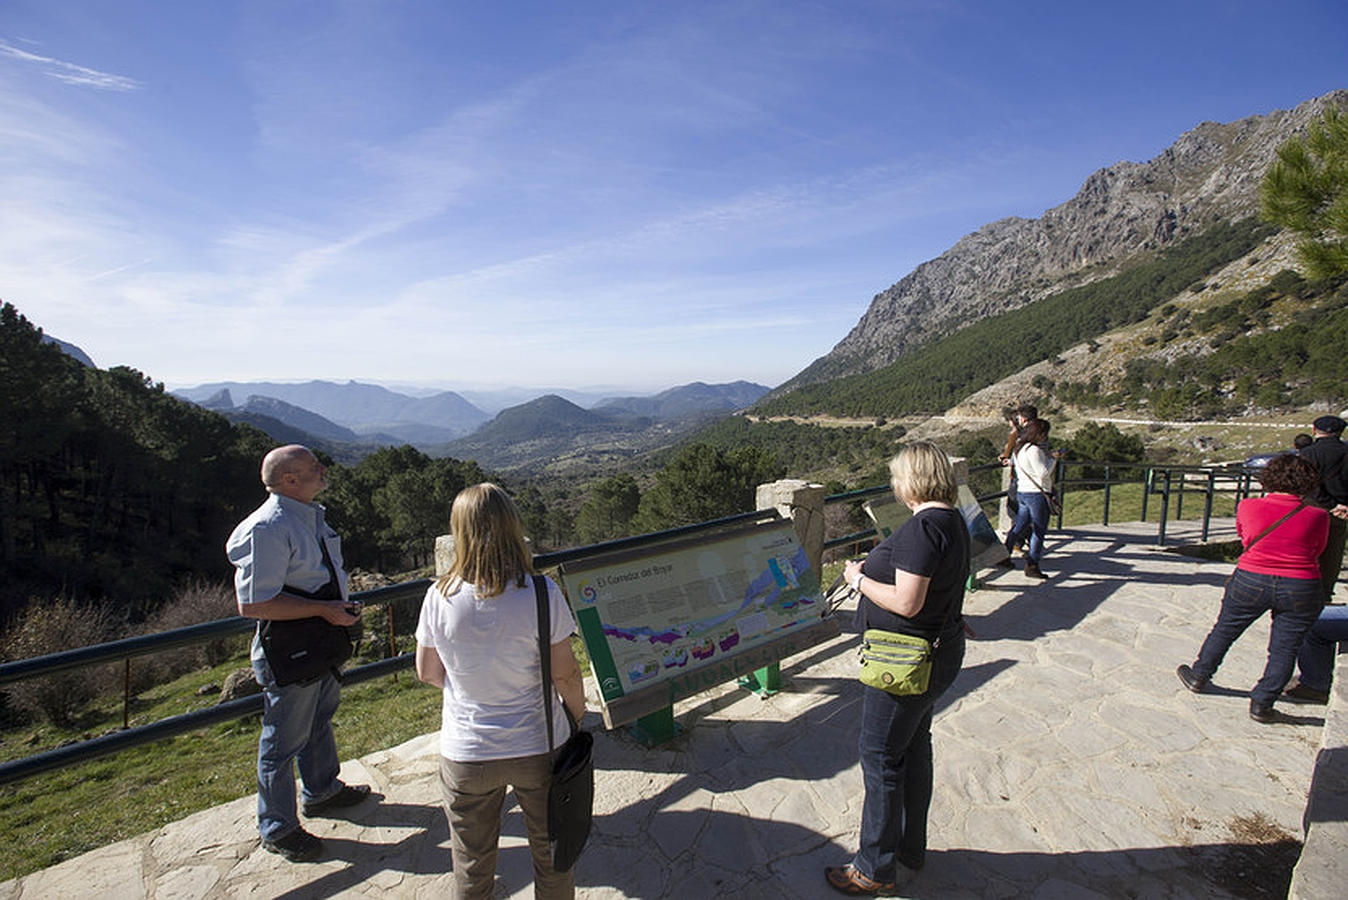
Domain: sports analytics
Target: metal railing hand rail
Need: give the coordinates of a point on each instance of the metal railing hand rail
(115, 742)
(145, 644)
(140, 645)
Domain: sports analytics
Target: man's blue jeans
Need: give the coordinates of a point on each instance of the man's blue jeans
(1032, 516)
(296, 727)
(1315, 662)
(896, 769)
(1295, 604)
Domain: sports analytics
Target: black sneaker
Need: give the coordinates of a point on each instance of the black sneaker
(348, 796)
(297, 846)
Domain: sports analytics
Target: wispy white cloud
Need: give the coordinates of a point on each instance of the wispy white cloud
(70, 73)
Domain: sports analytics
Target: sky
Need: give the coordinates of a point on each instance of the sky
(586, 195)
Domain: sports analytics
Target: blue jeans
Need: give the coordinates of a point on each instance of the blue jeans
(1295, 604)
(1315, 662)
(1032, 516)
(896, 769)
(296, 727)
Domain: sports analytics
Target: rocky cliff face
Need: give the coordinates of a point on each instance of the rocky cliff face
(1211, 173)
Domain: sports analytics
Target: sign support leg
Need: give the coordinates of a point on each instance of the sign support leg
(655, 728)
(764, 682)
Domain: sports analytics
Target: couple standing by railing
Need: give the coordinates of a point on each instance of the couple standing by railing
(476, 642)
(1293, 541)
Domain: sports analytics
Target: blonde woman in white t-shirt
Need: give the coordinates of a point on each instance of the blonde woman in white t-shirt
(477, 640)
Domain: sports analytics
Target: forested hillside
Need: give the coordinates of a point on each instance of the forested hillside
(109, 487)
(1275, 347)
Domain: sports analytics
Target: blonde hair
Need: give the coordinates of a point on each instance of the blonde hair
(489, 547)
(922, 473)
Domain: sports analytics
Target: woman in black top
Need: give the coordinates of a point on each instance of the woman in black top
(914, 583)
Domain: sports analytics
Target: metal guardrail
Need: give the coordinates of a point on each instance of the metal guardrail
(141, 645)
(1167, 482)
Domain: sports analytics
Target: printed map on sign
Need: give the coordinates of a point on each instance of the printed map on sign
(658, 613)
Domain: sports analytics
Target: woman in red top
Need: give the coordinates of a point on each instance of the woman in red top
(1278, 572)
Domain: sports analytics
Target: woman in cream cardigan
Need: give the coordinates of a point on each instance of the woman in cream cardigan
(1034, 485)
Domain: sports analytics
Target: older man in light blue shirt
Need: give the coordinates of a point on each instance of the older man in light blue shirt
(282, 551)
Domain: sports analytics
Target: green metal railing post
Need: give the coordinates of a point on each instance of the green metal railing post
(1207, 504)
(1108, 483)
(1165, 508)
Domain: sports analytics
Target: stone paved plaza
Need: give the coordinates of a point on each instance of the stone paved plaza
(1070, 763)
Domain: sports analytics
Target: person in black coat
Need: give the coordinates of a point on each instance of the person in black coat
(1327, 452)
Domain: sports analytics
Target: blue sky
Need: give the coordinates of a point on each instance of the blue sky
(589, 194)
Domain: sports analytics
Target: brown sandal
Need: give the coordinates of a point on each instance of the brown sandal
(848, 880)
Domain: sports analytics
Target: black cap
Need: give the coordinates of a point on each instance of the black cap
(1328, 425)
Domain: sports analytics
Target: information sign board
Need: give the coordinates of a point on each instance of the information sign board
(669, 620)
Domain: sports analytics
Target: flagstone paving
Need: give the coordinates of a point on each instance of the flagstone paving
(1070, 763)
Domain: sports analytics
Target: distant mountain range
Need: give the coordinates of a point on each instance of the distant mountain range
(368, 411)
(343, 418)
(550, 434)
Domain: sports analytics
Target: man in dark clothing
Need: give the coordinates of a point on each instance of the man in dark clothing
(1328, 454)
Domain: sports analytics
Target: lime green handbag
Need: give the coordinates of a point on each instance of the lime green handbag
(895, 663)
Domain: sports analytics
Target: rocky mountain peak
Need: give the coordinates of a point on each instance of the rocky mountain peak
(1212, 172)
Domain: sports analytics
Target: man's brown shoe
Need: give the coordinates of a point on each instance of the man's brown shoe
(1265, 715)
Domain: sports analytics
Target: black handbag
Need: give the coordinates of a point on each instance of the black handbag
(571, 794)
(300, 650)
(303, 649)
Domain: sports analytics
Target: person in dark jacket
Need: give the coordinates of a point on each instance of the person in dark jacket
(912, 583)
(1327, 453)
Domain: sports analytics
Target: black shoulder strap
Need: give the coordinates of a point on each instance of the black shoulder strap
(1294, 510)
(545, 652)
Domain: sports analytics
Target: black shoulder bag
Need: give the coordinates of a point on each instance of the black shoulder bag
(571, 795)
(301, 650)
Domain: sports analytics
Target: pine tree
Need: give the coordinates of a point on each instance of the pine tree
(1306, 191)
